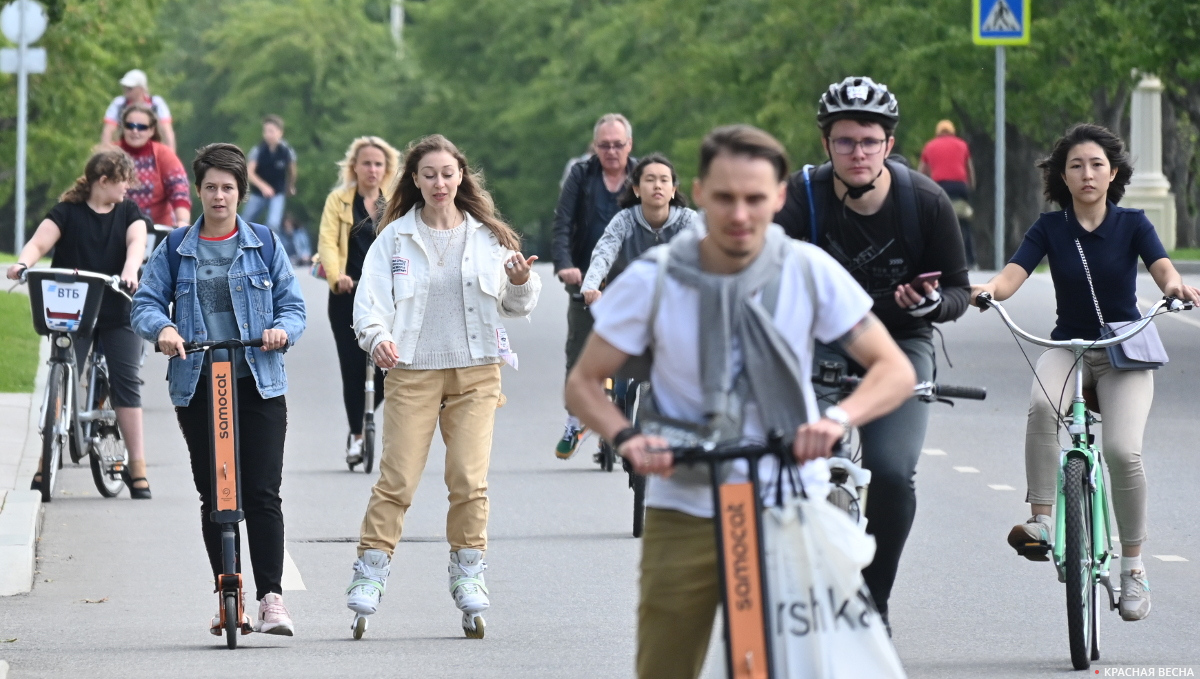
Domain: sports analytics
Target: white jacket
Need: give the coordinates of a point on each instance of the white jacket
(389, 305)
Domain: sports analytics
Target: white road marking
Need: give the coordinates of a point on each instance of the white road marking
(1000, 486)
(1168, 557)
(934, 452)
(291, 574)
(966, 470)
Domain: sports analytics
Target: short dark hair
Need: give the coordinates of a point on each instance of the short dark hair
(628, 198)
(743, 140)
(1054, 165)
(889, 127)
(220, 156)
(274, 120)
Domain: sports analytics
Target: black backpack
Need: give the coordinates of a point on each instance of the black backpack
(818, 186)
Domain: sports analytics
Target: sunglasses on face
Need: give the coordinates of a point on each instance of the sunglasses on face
(138, 127)
(611, 146)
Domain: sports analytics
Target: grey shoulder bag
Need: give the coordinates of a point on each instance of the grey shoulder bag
(1143, 351)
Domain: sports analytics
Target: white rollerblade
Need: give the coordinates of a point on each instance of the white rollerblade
(468, 589)
(366, 588)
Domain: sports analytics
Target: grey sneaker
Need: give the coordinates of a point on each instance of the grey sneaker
(1135, 596)
(1033, 539)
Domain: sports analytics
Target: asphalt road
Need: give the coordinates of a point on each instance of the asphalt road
(123, 588)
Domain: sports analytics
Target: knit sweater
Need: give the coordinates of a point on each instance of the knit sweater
(627, 236)
(443, 342)
(162, 182)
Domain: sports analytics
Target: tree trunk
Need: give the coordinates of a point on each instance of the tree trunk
(1023, 190)
(1179, 159)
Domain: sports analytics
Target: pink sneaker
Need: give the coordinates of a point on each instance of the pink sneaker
(273, 616)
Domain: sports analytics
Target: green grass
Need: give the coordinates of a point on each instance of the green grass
(18, 344)
(1185, 254)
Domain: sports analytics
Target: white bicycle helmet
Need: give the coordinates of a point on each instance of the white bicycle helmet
(856, 97)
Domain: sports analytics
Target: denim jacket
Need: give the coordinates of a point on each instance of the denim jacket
(262, 299)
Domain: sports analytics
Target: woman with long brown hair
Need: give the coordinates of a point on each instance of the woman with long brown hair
(444, 271)
(161, 186)
(96, 228)
(348, 225)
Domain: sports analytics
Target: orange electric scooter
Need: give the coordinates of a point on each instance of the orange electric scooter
(226, 474)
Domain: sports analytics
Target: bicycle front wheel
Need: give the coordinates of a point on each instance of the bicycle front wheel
(1078, 561)
(54, 427)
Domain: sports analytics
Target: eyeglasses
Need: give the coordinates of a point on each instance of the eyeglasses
(612, 145)
(844, 146)
(139, 127)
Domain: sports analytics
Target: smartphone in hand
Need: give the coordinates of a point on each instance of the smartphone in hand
(918, 282)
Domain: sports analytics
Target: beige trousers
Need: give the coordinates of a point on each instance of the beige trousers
(1125, 397)
(680, 592)
(463, 401)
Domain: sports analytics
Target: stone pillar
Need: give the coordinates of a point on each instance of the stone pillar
(1149, 189)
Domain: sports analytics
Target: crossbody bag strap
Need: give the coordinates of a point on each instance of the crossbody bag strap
(1087, 272)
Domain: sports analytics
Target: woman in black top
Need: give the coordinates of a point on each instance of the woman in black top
(1093, 248)
(95, 228)
(347, 232)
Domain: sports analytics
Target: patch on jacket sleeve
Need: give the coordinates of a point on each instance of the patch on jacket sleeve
(399, 266)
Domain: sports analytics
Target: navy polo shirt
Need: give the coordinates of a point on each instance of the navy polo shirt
(1112, 252)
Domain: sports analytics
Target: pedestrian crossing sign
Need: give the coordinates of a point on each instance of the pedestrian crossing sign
(1000, 22)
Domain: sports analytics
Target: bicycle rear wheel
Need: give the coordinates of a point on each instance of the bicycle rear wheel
(1078, 562)
(638, 483)
(107, 450)
(54, 427)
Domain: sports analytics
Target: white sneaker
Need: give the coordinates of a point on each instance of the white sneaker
(1135, 596)
(354, 454)
(466, 581)
(273, 617)
(368, 582)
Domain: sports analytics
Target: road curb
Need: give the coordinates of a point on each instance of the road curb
(21, 510)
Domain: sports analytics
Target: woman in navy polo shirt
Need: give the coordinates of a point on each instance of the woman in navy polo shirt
(1086, 174)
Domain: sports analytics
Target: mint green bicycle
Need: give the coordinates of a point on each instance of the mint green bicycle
(1082, 549)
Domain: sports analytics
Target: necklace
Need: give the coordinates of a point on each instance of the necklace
(441, 252)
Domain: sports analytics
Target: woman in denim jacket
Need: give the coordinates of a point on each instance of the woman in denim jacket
(223, 289)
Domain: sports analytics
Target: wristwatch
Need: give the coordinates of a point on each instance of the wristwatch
(840, 416)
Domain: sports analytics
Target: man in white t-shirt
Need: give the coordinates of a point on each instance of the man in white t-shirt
(741, 184)
(137, 90)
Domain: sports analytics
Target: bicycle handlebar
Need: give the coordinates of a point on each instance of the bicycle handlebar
(711, 452)
(1172, 304)
(923, 390)
(113, 282)
(192, 347)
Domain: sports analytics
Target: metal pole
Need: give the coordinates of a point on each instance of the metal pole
(22, 104)
(999, 229)
(398, 24)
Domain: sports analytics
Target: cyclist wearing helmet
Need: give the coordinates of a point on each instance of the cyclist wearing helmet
(887, 225)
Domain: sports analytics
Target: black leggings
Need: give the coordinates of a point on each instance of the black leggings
(262, 424)
(353, 361)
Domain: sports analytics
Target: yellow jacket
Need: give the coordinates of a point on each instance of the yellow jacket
(333, 240)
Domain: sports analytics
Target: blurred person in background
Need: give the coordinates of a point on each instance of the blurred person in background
(946, 159)
(137, 91)
(161, 190)
(348, 225)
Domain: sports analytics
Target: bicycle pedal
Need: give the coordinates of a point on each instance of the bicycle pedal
(1034, 551)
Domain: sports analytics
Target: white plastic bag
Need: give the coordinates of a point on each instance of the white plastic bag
(823, 622)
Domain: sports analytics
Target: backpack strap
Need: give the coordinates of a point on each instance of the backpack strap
(662, 257)
(906, 205)
(812, 206)
(175, 239)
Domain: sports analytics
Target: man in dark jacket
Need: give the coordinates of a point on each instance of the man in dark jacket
(586, 205)
(895, 231)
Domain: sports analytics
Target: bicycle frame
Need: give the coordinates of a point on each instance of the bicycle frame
(1083, 447)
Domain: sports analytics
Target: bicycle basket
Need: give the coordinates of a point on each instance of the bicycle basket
(63, 302)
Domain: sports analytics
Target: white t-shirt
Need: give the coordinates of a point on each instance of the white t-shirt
(621, 320)
(113, 114)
